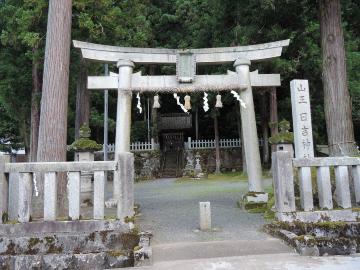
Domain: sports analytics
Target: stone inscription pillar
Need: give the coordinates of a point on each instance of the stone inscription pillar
(123, 120)
(248, 121)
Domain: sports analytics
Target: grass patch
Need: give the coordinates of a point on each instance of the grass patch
(226, 176)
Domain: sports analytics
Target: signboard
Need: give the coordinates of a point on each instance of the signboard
(301, 114)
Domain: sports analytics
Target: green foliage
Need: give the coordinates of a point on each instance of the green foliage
(139, 131)
(172, 24)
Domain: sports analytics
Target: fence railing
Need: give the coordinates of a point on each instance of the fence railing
(333, 189)
(206, 144)
(27, 183)
(138, 146)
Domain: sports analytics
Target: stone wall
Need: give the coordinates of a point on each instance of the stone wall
(147, 164)
(230, 159)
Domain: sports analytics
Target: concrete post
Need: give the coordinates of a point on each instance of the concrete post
(205, 216)
(4, 187)
(248, 121)
(283, 181)
(74, 187)
(50, 196)
(324, 188)
(123, 119)
(343, 197)
(99, 194)
(125, 201)
(24, 197)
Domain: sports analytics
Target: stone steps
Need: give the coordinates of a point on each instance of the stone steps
(213, 249)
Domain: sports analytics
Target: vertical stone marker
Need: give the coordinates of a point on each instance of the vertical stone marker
(205, 216)
(301, 113)
(303, 139)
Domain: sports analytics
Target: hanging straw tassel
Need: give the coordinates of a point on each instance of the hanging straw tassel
(218, 103)
(187, 102)
(156, 102)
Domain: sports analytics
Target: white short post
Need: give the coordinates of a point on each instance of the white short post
(13, 199)
(4, 187)
(50, 196)
(74, 195)
(251, 142)
(24, 196)
(305, 183)
(99, 194)
(123, 117)
(324, 188)
(205, 216)
(343, 198)
(356, 177)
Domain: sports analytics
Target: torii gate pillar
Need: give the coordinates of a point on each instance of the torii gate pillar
(123, 184)
(248, 121)
(123, 113)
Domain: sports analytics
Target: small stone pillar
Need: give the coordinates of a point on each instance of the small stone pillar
(248, 121)
(205, 216)
(86, 176)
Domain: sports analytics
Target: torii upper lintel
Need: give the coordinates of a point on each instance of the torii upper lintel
(223, 55)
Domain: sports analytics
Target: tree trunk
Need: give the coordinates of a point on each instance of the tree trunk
(82, 114)
(337, 101)
(54, 102)
(273, 115)
(217, 146)
(35, 108)
(265, 127)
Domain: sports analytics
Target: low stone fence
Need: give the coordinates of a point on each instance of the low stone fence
(334, 201)
(122, 168)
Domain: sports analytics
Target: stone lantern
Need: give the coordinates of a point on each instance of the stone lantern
(284, 139)
(84, 149)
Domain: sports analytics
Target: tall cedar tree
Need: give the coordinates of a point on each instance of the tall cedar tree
(337, 101)
(54, 103)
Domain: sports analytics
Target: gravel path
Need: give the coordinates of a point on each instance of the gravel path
(170, 210)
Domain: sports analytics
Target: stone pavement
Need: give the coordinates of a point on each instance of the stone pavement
(170, 209)
(283, 261)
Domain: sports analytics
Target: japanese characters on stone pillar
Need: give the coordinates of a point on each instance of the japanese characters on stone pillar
(301, 114)
(304, 147)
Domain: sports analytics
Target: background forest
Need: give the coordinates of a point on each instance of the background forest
(169, 24)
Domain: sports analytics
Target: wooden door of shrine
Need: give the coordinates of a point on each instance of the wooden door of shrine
(172, 141)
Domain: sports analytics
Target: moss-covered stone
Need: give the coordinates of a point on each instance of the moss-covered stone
(5, 217)
(284, 135)
(84, 143)
(117, 253)
(333, 238)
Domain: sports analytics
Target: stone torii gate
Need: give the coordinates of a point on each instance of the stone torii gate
(186, 80)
